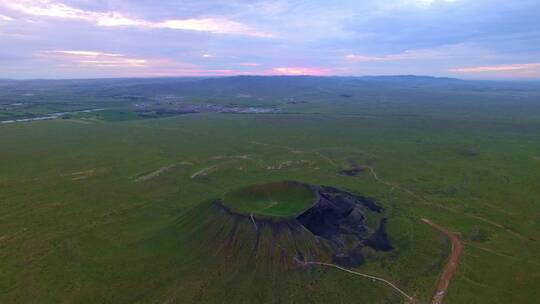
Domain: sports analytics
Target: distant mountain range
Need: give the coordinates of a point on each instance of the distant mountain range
(264, 86)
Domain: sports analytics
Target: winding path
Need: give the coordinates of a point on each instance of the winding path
(451, 265)
(411, 299)
(457, 246)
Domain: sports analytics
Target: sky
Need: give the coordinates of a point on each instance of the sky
(470, 39)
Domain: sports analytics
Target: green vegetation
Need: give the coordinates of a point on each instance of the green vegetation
(277, 199)
(117, 210)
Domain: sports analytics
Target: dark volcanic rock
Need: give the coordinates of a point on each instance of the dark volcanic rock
(379, 239)
(339, 217)
(353, 258)
(351, 172)
(332, 215)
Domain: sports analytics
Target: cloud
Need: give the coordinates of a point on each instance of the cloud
(116, 19)
(249, 64)
(95, 59)
(361, 58)
(212, 25)
(316, 37)
(431, 53)
(5, 18)
(86, 53)
(122, 65)
(182, 71)
(427, 3)
(301, 71)
(526, 67)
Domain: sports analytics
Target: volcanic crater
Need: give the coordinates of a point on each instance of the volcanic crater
(340, 225)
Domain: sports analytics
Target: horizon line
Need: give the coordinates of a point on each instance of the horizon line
(275, 75)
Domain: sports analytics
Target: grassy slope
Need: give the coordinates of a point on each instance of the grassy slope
(75, 226)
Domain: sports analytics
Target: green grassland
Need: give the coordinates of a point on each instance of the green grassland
(277, 199)
(118, 210)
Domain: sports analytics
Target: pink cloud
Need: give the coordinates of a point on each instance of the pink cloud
(301, 71)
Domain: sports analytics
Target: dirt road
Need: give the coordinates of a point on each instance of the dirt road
(374, 278)
(450, 267)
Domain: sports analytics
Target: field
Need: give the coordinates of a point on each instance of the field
(110, 207)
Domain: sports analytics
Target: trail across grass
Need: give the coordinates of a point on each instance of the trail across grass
(411, 299)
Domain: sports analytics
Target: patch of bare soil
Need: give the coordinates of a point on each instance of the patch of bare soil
(204, 172)
(6, 238)
(154, 174)
(81, 174)
(451, 266)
